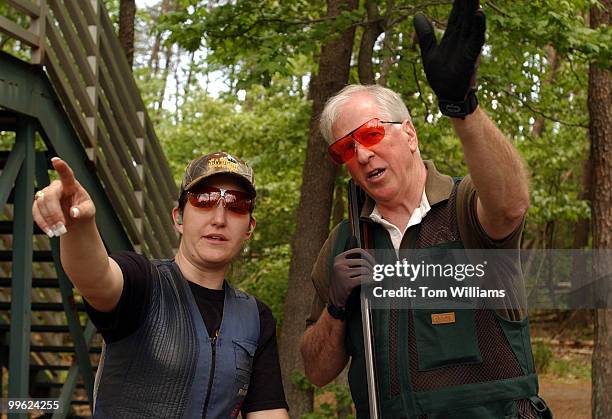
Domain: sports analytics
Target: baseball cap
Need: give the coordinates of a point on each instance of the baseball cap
(217, 163)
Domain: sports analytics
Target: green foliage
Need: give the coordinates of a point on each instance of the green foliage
(268, 129)
(112, 9)
(341, 395)
(262, 39)
(11, 45)
(560, 23)
(571, 368)
(270, 49)
(542, 356)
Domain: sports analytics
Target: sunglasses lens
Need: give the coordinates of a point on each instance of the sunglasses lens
(237, 202)
(204, 200)
(370, 136)
(342, 150)
(208, 198)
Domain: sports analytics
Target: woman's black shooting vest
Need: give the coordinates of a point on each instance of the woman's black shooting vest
(170, 367)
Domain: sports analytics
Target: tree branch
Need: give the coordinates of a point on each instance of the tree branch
(418, 84)
(542, 114)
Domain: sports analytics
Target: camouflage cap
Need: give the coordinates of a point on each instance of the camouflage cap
(217, 163)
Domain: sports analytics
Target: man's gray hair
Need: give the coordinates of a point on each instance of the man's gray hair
(391, 106)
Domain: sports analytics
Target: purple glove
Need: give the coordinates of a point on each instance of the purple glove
(351, 268)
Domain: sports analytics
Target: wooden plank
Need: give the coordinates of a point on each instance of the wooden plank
(67, 66)
(114, 45)
(118, 67)
(25, 6)
(74, 41)
(87, 9)
(159, 219)
(113, 161)
(109, 90)
(152, 249)
(38, 26)
(158, 158)
(159, 201)
(65, 93)
(118, 142)
(15, 31)
(121, 178)
(81, 25)
(119, 205)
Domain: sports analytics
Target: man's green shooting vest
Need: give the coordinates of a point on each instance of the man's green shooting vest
(481, 366)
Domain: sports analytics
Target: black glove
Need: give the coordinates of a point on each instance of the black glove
(351, 268)
(451, 66)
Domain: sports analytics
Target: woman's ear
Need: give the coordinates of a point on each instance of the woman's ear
(252, 224)
(177, 217)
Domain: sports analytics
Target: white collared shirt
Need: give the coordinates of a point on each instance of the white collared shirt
(396, 235)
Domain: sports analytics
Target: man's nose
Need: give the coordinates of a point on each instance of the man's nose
(363, 153)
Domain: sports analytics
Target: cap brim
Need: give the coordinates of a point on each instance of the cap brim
(243, 180)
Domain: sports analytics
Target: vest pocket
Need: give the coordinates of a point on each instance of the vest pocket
(494, 410)
(445, 337)
(244, 351)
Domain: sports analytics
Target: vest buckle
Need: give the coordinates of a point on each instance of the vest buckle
(540, 406)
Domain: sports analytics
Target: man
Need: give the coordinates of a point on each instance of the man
(180, 340)
(469, 363)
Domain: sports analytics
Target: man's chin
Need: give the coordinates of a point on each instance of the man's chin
(379, 193)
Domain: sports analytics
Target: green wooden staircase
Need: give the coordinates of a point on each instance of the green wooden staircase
(66, 90)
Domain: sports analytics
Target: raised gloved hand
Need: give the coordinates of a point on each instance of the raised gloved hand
(351, 268)
(451, 65)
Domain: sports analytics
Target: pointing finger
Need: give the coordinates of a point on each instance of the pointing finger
(64, 171)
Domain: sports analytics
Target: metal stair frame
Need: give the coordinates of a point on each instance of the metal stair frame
(26, 91)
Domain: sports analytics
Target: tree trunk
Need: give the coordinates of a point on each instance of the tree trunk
(339, 212)
(127, 14)
(582, 291)
(314, 209)
(553, 66)
(166, 72)
(154, 59)
(371, 32)
(189, 76)
(600, 131)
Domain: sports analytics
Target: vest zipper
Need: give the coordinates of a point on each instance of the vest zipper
(213, 344)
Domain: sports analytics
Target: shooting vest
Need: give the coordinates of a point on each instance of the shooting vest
(170, 367)
(480, 367)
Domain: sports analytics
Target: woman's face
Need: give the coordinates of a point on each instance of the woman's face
(212, 237)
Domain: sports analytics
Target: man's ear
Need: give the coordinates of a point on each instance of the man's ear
(177, 217)
(252, 224)
(413, 140)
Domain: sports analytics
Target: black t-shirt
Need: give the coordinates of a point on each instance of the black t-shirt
(266, 387)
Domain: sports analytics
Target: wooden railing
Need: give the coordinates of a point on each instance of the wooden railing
(76, 43)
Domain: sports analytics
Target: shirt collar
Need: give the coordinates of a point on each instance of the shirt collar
(417, 215)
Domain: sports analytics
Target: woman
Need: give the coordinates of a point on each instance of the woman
(180, 340)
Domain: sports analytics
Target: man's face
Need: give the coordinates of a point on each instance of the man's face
(386, 170)
(212, 237)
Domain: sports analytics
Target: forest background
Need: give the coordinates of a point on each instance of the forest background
(250, 77)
